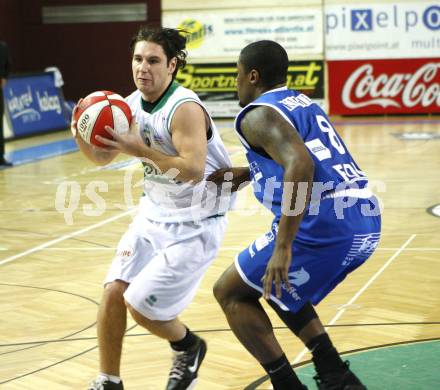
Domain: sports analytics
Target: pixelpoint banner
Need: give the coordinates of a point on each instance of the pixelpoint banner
(391, 30)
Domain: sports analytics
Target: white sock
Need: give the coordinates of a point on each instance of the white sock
(111, 378)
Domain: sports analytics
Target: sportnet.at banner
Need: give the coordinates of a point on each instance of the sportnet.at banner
(403, 86)
(382, 30)
(215, 84)
(224, 33)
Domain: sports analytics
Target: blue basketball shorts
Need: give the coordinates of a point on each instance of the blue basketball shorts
(324, 252)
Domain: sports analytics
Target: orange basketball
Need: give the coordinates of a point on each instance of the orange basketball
(100, 109)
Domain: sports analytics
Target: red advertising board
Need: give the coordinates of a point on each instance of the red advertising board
(384, 86)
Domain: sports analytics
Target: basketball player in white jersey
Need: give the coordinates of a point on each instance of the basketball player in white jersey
(164, 254)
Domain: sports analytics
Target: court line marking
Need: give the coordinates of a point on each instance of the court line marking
(226, 248)
(382, 122)
(359, 293)
(95, 338)
(65, 237)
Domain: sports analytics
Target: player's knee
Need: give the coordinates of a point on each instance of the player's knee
(227, 298)
(230, 291)
(148, 320)
(222, 294)
(134, 313)
(114, 292)
(218, 291)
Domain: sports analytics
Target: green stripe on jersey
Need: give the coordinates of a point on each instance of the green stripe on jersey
(165, 98)
(174, 108)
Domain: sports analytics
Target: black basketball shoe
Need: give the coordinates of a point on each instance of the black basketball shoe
(102, 383)
(186, 364)
(344, 379)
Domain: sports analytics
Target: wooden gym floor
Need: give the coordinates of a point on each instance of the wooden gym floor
(52, 264)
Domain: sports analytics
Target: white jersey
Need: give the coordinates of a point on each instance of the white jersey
(166, 199)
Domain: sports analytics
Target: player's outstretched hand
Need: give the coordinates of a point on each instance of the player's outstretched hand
(238, 176)
(277, 272)
(220, 175)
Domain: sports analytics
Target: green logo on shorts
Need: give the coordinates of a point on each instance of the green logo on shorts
(151, 300)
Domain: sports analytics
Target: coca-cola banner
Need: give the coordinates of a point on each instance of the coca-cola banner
(384, 86)
(379, 30)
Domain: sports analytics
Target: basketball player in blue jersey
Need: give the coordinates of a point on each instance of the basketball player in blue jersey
(295, 157)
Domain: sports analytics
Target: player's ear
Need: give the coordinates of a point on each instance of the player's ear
(172, 64)
(254, 76)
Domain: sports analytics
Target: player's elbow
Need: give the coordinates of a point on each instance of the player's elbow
(196, 174)
(102, 163)
(102, 158)
(302, 163)
(193, 170)
(309, 166)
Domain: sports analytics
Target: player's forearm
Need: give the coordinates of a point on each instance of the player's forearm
(240, 177)
(99, 157)
(298, 180)
(187, 170)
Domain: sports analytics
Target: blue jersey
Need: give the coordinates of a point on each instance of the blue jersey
(335, 168)
(331, 242)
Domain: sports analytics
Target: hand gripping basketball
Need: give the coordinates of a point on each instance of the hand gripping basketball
(100, 109)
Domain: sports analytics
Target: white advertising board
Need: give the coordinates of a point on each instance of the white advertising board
(379, 31)
(223, 33)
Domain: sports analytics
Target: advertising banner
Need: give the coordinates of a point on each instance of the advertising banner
(404, 86)
(216, 83)
(382, 30)
(224, 33)
(7, 132)
(33, 104)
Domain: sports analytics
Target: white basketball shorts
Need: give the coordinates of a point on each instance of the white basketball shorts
(164, 263)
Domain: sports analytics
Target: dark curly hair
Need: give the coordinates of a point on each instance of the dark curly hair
(173, 43)
(269, 58)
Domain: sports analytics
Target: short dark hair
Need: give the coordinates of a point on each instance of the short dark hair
(269, 58)
(173, 43)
